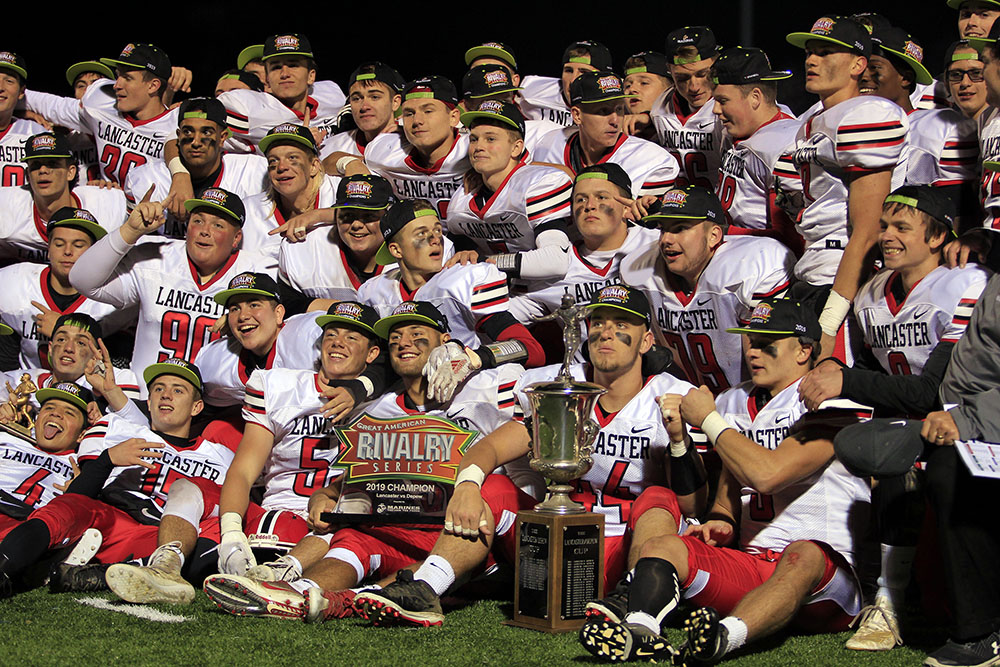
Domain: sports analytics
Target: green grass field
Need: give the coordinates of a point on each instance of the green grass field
(39, 628)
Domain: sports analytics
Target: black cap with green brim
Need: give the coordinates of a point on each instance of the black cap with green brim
(204, 108)
(738, 65)
(497, 50)
(412, 312)
(70, 392)
(957, 4)
(252, 52)
(351, 313)
(247, 283)
(494, 111)
(927, 198)
(5, 330)
(14, 63)
(608, 171)
(142, 57)
(398, 215)
(432, 87)
(895, 42)
(47, 145)
(699, 37)
(221, 201)
(651, 63)
(623, 297)
(247, 79)
(81, 321)
(598, 56)
(288, 133)
(367, 192)
(375, 70)
(950, 55)
(688, 203)
(781, 317)
(486, 81)
(176, 366)
(841, 30)
(291, 44)
(980, 43)
(77, 218)
(596, 86)
(76, 69)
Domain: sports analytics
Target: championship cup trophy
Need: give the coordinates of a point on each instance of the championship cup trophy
(560, 552)
(19, 399)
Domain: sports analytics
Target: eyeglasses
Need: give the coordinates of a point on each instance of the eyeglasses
(956, 75)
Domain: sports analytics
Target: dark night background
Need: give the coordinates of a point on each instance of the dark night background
(431, 37)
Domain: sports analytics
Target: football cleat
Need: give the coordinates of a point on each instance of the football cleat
(243, 596)
(282, 569)
(707, 638)
(879, 628)
(620, 642)
(85, 548)
(323, 605)
(613, 607)
(985, 651)
(160, 581)
(405, 601)
(65, 578)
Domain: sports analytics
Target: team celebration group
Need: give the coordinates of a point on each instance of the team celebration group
(794, 319)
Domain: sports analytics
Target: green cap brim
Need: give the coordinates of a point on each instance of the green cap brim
(620, 96)
(469, 116)
(96, 231)
(154, 371)
(980, 43)
(511, 89)
(750, 330)
(957, 4)
(222, 297)
(77, 69)
(489, 52)
(385, 325)
(348, 204)
(799, 39)
(47, 155)
(50, 393)
(323, 320)
(593, 306)
(304, 54)
(254, 52)
(192, 204)
(663, 216)
(14, 68)
(268, 141)
(113, 63)
(924, 77)
(383, 256)
(5, 330)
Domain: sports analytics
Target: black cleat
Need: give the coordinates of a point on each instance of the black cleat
(613, 607)
(622, 642)
(65, 578)
(707, 638)
(404, 601)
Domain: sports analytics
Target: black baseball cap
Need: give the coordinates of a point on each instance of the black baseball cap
(653, 62)
(248, 282)
(596, 86)
(598, 56)
(691, 202)
(251, 81)
(399, 215)
(81, 321)
(142, 56)
(374, 70)
(487, 80)
(950, 56)
(96, 66)
(291, 44)
(421, 312)
(288, 133)
(497, 50)
(842, 30)
(77, 218)
(926, 198)
(980, 43)
(495, 112)
(622, 297)
(700, 37)
(432, 87)
(77, 396)
(781, 317)
(608, 171)
(252, 52)
(351, 313)
(47, 145)
(739, 65)
(220, 201)
(15, 63)
(206, 108)
(364, 191)
(176, 366)
(896, 43)
(957, 4)
(879, 447)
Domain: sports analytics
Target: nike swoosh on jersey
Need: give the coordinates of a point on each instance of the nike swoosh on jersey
(702, 126)
(778, 420)
(640, 430)
(702, 302)
(919, 315)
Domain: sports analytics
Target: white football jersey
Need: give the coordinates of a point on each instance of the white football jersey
(941, 149)
(26, 282)
(22, 229)
(319, 268)
(29, 473)
(989, 151)
(207, 456)
(12, 169)
(464, 294)
(823, 506)
(651, 168)
(176, 310)
(902, 334)
(746, 174)
(531, 200)
(932, 95)
(534, 130)
(82, 145)
(390, 156)
(541, 98)
(252, 114)
(341, 142)
(742, 271)
(858, 135)
(122, 141)
(694, 140)
(631, 449)
(243, 175)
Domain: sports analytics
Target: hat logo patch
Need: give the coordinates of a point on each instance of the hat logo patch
(285, 128)
(405, 308)
(68, 387)
(175, 361)
(243, 281)
(493, 45)
(43, 141)
(350, 310)
(127, 51)
(677, 197)
(613, 293)
(762, 313)
(496, 78)
(823, 26)
(359, 189)
(491, 106)
(215, 196)
(914, 51)
(286, 43)
(81, 214)
(609, 84)
(8, 57)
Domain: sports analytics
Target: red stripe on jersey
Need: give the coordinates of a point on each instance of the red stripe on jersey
(488, 286)
(595, 269)
(557, 191)
(507, 386)
(780, 288)
(256, 411)
(255, 393)
(944, 183)
(135, 122)
(481, 212)
(47, 294)
(221, 272)
(960, 319)
(866, 127)
(506, 403)
(550, 210)
(239, 116)
(967, 302)
(875, 143)
(489, 302)
(657, 184)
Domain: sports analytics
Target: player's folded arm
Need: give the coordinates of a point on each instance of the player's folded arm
(806, 449)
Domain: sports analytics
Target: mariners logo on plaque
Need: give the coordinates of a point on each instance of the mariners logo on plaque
(398, 470)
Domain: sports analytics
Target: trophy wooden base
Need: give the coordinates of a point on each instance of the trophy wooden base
(559, 569)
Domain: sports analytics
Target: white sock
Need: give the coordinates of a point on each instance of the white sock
(362, 589)
(897, 562)
(302, 585)
(437, 572)
(294, 561)
(737, 632)
(643, 619)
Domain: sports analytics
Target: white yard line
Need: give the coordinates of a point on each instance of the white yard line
(139, 611)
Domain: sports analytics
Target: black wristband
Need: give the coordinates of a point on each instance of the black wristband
(686, 476)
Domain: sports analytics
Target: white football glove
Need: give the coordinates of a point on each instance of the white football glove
(235, 555)
(447, 366)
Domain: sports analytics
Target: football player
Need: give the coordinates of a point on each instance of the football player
(548, 98)
(647, 78)
(975, 17)
(13, 131)
(374, 93)
(963, 72)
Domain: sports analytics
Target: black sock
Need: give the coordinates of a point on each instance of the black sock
(23, 547)
(898, 506)
(655, 588)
